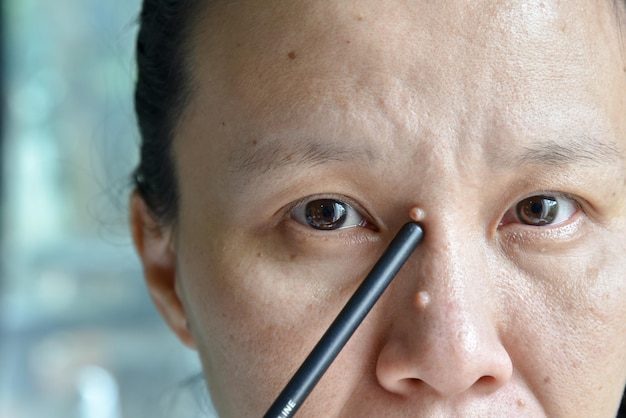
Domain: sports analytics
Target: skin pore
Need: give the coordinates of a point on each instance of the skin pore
(467, 114)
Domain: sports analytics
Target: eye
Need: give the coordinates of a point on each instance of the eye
(541, 210)
(327, 214)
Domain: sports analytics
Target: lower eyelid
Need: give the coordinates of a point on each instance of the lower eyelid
(531, 239)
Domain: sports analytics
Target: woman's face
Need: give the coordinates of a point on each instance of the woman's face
(315, 127)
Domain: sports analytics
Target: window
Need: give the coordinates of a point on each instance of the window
(79, 336)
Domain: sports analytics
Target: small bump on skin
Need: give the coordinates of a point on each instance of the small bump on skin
(521, 403)
(422, 300)
(417, 214)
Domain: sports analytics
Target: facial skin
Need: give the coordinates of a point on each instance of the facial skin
(462, 109)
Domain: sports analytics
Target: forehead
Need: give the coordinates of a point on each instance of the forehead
(412, 69)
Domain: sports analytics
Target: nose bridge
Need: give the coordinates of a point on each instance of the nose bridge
(452, 269)
(451, 261)
(450, 343)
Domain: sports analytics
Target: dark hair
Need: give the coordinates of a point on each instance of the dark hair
(161, 94)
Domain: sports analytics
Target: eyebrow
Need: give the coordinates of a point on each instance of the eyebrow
(309, 152)
(272, 155)
(584, 150)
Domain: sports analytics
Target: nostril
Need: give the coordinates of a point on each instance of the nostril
(486, 384)
(486, 380)
(409, 385)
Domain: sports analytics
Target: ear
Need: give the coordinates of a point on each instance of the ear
(153, 242)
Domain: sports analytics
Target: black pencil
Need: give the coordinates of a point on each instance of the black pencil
(350, 317)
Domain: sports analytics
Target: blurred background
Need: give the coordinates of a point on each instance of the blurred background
(79, 336)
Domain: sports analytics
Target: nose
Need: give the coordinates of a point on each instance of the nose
(443, 334)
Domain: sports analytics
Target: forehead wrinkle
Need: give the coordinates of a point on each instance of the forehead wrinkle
(274, 155)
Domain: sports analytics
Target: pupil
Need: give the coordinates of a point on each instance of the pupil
(325, 214)
(537, 210)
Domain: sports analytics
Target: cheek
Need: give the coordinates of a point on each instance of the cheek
(567, 329)
(255, 316)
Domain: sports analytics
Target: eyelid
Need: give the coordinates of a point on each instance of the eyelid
(368, 218)
(574, 200)
(577, 201)
(340, 198)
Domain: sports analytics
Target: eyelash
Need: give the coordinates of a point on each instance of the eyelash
(351, 214)
(562, 199)
(354, 216)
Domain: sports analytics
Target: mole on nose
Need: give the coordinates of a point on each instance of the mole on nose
(422, 300)
(417, 214)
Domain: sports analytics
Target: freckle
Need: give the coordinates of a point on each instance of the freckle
(347, 42)
(547, 380)
(292, 257)
(521, 403)
(292, 55)
(254, 142)
(223, 123)
(259, 255)
(238, 44)
(359, 18)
